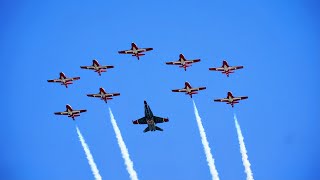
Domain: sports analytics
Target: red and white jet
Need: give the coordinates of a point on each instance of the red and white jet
(104, 95)
(135, 51)
(70, 112)
(188, 89)
(64, 80)
(231, 99)
(183, 62)
(97, 67)
(226, 68)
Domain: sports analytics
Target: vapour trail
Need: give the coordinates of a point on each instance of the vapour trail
(86, 149)
(205, 144)
(243, 151)
(123, 148)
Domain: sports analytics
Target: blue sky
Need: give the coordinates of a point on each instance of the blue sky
(277, 43)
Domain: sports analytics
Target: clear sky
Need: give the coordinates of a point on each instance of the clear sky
(277, 42)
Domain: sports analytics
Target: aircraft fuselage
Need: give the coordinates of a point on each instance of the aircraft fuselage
(96, 67)
(230, 99)
(63, 79)
(149, 117)
(188, 89)
(70, 112)
(134, 50)
(225, 68)
(182, 61)
(151, 125)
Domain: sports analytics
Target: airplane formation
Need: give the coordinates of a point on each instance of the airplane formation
(148, 118)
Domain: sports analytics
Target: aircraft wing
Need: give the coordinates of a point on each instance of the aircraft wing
(54, 80)
(235, 67)
(179, 90)
(87, 67)
(113, 94)
(125, 52)
(144, 49)
(61, 113)
(174, 63)
(72, 79)
(138, 51)
(142, 120)
(192, 61)
(216, 69)
(221, 100)
(79, 111)
(106, 67)
(94, 95)
(198, 89)
(240, 98)
(160, 119)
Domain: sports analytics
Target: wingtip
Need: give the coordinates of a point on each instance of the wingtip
(135, 122)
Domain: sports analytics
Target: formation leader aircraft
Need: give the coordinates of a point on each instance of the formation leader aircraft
(64, 80)
(183, 62)
(103, 95)
(226, 68)
(188, 89)
(135, 51)
(97, 67)
(70, 112)
(231, 99)
(150, 119)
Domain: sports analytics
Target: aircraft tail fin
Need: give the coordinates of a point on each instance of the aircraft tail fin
(159, 129)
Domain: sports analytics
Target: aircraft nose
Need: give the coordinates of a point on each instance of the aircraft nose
(145, 102)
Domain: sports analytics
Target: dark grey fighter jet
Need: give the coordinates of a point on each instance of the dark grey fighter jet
(150, 119)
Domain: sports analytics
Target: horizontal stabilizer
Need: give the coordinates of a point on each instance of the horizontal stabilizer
(146, 129)
(159, 129)
(138, 55)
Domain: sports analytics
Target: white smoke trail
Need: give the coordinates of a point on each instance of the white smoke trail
(123, 148)
(205, 144)
(243, 151)
(86, 149)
